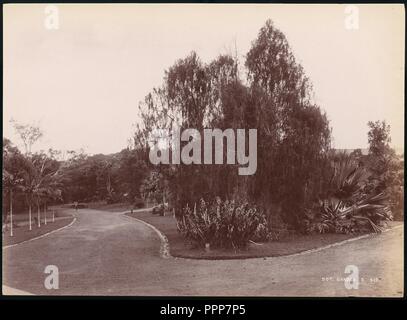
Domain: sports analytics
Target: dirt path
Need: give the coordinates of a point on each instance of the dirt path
(105, 254)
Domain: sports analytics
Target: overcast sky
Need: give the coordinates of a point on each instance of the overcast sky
(82, 83)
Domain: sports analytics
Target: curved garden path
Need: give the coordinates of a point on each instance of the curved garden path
(104, 253)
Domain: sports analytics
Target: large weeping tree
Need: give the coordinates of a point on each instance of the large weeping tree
(293, 134)
(190, 97)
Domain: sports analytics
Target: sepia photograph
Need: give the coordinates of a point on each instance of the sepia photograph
(203, 150)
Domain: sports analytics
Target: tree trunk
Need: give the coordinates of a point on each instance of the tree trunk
(11, 212)
(39, 215)
(45, 214)
(29, 215)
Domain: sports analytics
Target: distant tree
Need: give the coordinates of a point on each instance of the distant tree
(111, 178)
(358, 156)
(153, 187)
(128, 173)
(29, 134)
(378, 137)
(386, 166)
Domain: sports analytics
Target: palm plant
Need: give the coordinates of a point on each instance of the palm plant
(11, 183)
(40, 192)
(347, 180)
(39, 175)
(52, 193)
(348, 207)
(12, 179)
(28, 188)
(45, 178)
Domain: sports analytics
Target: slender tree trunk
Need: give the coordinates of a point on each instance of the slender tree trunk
(45, 214)
(11, 212)
(39, 215)
(29, 216)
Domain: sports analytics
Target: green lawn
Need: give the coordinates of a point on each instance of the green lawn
(179, 247)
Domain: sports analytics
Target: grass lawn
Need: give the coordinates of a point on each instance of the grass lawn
(22, 233)
(22, 218)
(179, 247)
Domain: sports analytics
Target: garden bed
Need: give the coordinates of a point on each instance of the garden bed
(22, 233)
(179, 247)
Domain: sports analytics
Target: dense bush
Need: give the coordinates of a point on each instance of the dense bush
(160, 210)
(349, 205)
(221, 223)
(386, 166)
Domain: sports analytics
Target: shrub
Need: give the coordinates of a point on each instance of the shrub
(160, 209)
(262, 232)
(349, 206)
(220, 223)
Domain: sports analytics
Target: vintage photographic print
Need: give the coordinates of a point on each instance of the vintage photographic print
(216, 150)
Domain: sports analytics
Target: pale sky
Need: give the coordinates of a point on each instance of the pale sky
(82, 82)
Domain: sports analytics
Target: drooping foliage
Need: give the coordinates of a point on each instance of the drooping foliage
(275, 98)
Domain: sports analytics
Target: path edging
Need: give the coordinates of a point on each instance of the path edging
(165, 246)
(339, 243)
